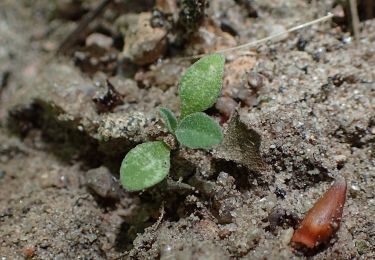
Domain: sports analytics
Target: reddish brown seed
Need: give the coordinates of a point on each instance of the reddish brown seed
(323, 219)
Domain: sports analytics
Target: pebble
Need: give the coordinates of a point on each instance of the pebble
(226, 106)
(354, 186)
(143, 43)
(100, 40)
(255, 80)
(362, 247)
(101, 182)
(286, 236)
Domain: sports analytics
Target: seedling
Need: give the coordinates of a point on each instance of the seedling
(148, 164)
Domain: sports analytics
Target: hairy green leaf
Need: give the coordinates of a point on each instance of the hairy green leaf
(169, 118)
(145, 165)
(201, 84)
(198, 130)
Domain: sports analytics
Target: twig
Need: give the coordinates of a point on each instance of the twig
(268, 38)
(73, 36)
(355, 19)
(158, 222)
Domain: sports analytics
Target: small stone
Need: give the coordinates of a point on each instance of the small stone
(144, 44)
(100, 40)
(354, 186)
(286, 236)
(255, 80)
(92, 237)
(222, 179)
(319, 54)
(347, 39)
(280, 193)
(362, 247)
(226, 106)
(268, 202)
(101, 182)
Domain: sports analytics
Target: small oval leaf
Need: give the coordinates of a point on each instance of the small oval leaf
(144, 166)
(169, 118)
(198, 130)
(201, 84)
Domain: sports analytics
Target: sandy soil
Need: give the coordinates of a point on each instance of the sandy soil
(305, 115)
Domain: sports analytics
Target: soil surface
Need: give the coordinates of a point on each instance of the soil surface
(297, 113)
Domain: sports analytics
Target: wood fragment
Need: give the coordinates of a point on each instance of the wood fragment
(69, 41)
(354, 19)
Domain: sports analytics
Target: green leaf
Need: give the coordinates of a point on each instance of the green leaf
(201, 84)
(198, 130)
(144, 166)
(169, 118)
